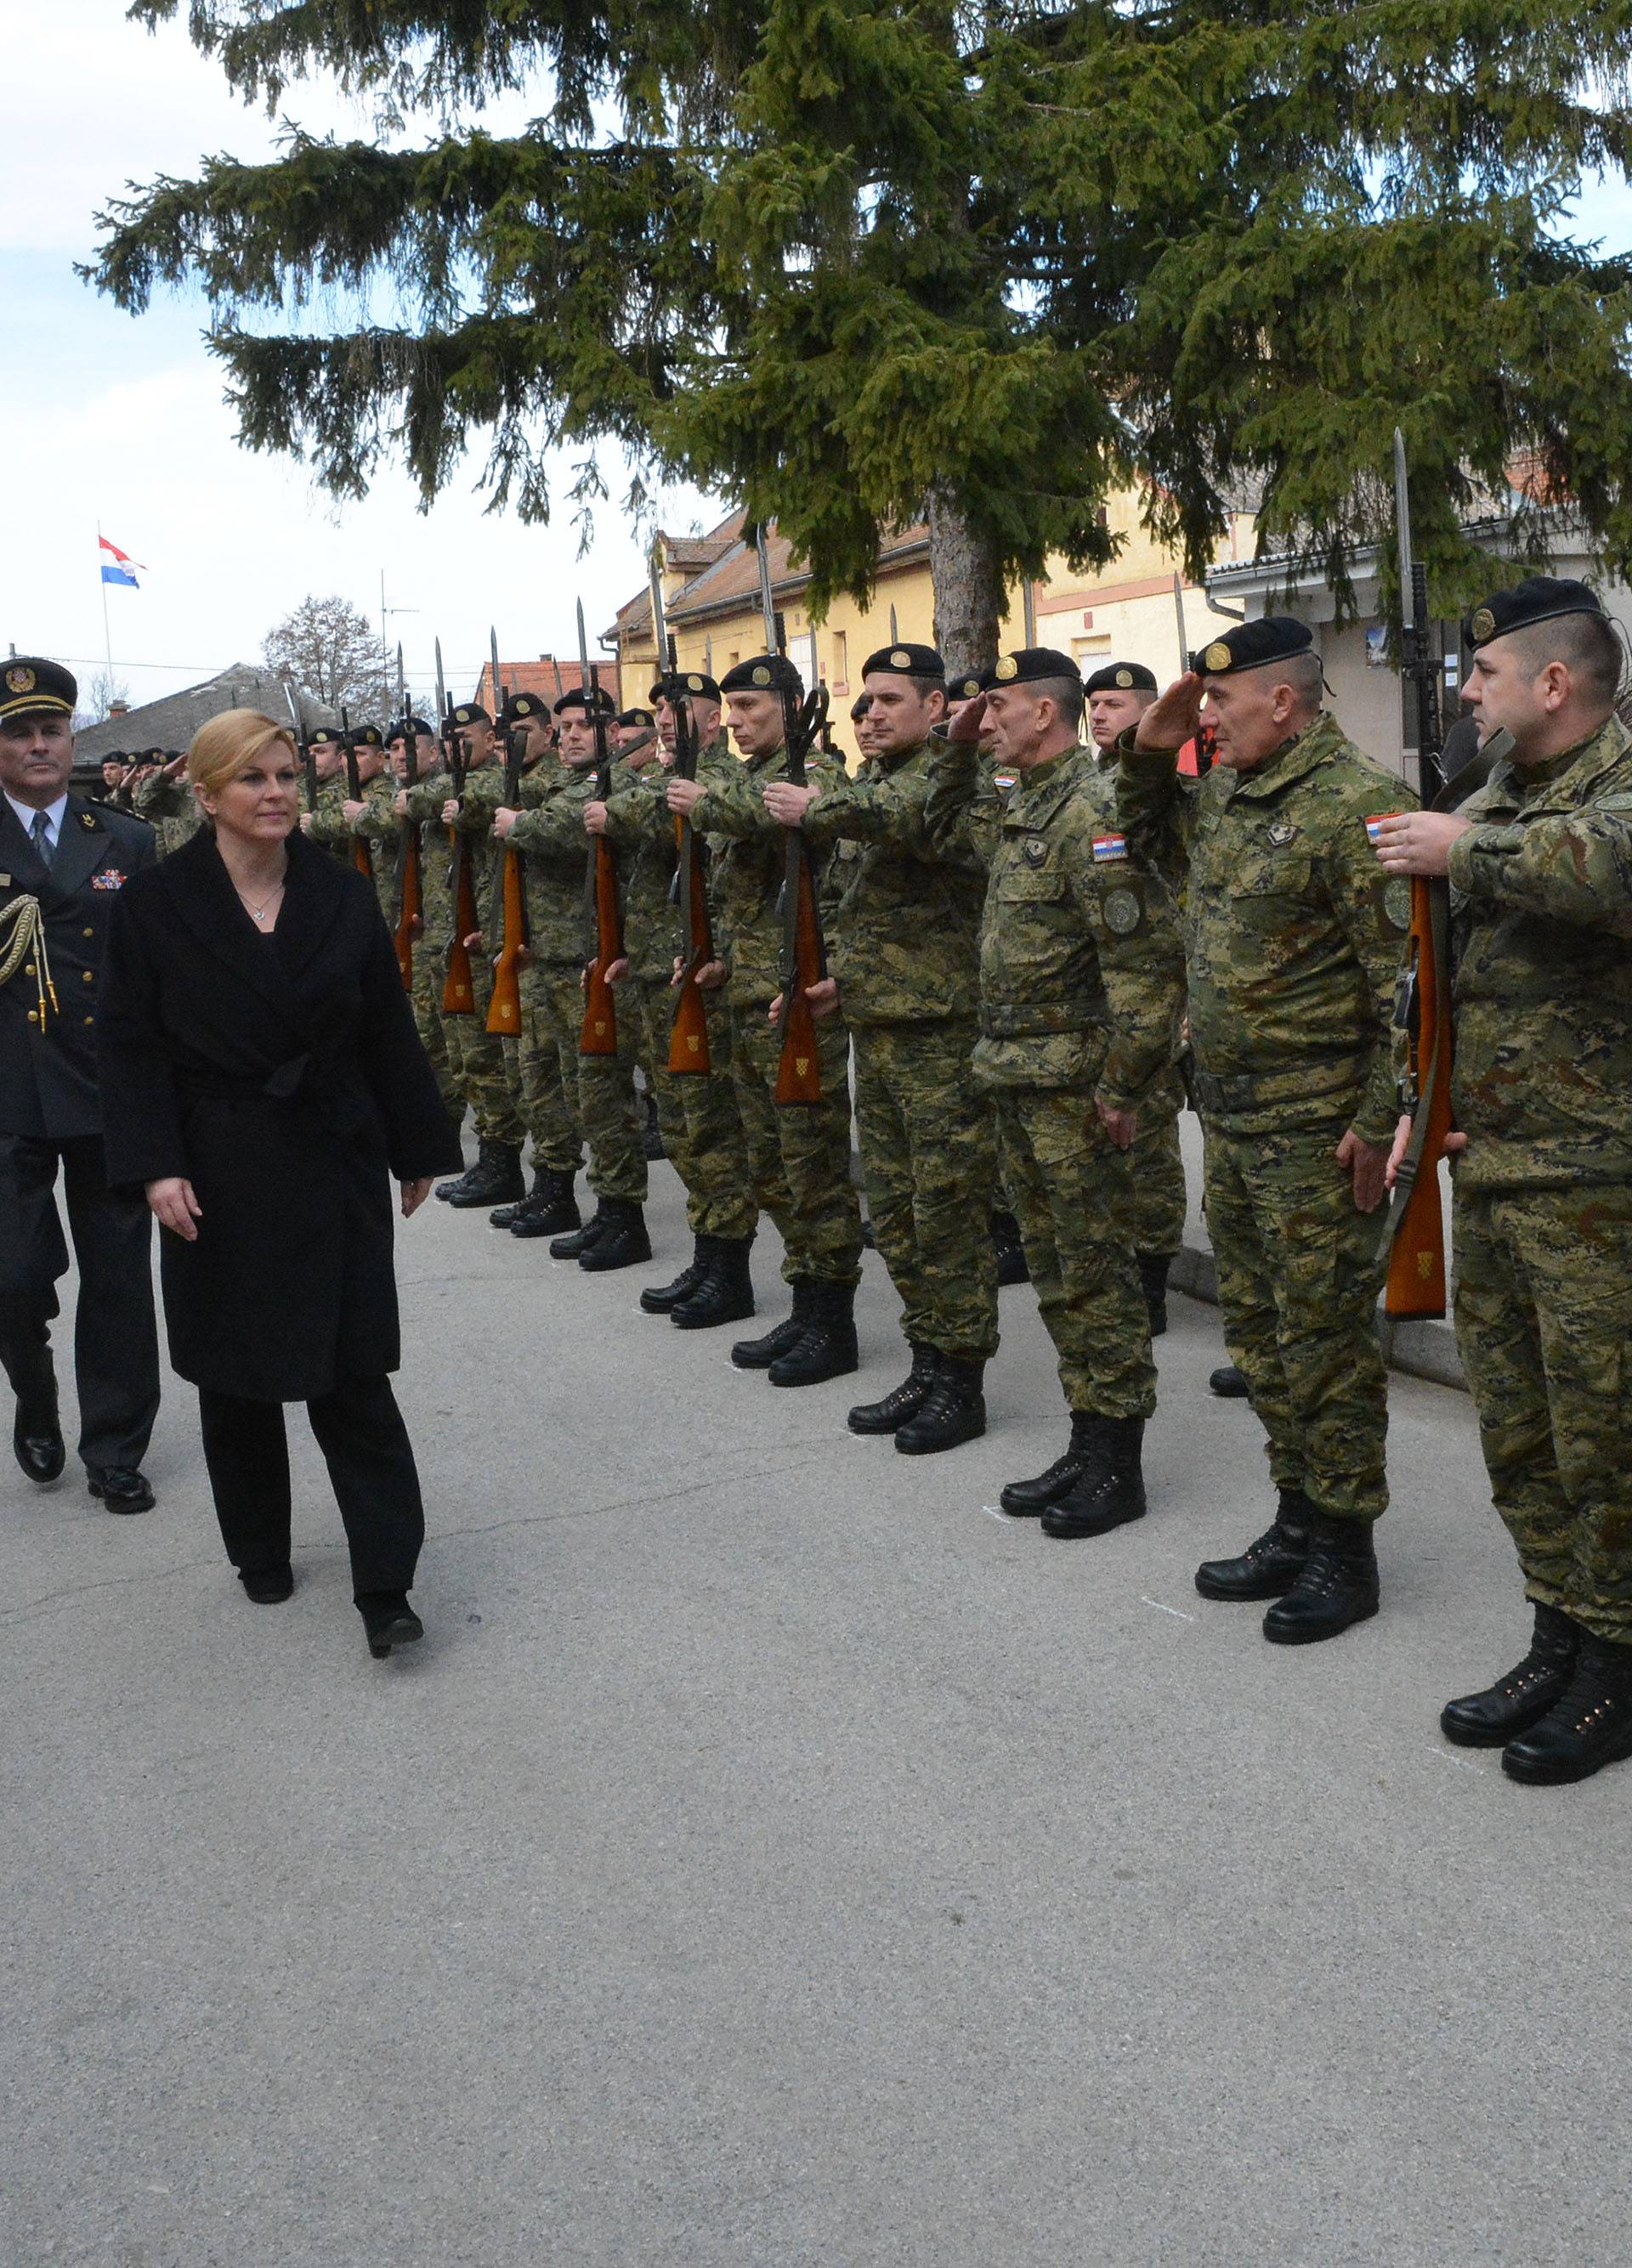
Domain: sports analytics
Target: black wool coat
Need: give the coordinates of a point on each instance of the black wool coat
(283, 1077)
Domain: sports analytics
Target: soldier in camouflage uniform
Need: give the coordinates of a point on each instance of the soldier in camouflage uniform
(904, 962)
(337, 823)
(1118, 696)
(798, 1153)
(697, 1110)
(383, 826)
(477, 1055)
(163, 797)
(324, 822)
(1081, 991)
(422, 806)
(1539, 861)
(1294, 942)
(555, 842)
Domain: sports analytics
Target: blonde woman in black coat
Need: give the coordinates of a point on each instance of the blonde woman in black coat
(262, 1080)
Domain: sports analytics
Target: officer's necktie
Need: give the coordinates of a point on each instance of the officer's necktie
(41, 832)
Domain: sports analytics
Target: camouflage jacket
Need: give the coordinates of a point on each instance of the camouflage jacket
(170, 808)
(1293, 933)
(904, 941)
(554, 841)
(425, 799)
(1542, 898)
(1081, 964)
(748, 864)
(640, 828)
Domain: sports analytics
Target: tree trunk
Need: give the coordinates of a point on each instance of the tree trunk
(968, 582)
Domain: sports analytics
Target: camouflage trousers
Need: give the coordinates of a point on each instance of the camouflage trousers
(1544, 1326)
(475, 1062)
(543, 1062)
(608, 1113)
(1073, 1196)
(697, 1114)
(928, 1155)
(1159, 1171)
(1298, 1279)
(799, 1154)
(427, 998)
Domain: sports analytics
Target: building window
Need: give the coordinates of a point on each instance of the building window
(841, 661)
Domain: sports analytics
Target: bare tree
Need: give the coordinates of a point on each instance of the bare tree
(97, 696)
(330, 649)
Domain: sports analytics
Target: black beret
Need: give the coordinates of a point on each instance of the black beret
(1121, 677)
(636, 717)
(367, 736)
(904, 661)
(1027, 664)
(115, 756)
(320, 736)
(471, 713)
(1253, 645)
(1538, 599)
(521, 705)
(860, 707)
(683, 685)
(964, 689)
(577, 698)
(414, 725)
(30, 687)
(763, 673)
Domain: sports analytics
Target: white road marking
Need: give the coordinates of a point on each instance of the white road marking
(1452, 1757)
(1160, 1609)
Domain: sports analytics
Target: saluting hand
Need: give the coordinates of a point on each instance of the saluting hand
(1173, 717)
(173, 1206)
(966, 725)
(1419, 841)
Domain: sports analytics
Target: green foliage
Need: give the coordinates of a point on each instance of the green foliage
(833, 252)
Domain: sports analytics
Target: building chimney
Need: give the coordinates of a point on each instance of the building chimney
(117, 709)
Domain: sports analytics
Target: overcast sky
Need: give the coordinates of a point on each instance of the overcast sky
(120, 419)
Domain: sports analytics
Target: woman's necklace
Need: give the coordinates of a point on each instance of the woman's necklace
(258, 913)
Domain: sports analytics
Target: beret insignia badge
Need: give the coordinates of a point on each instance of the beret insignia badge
(900, 660)
(1483, 622)
(694, 683)
(19, 681)
(1007, 667)
(1124, 678)
(1217, 656)
(762, 675)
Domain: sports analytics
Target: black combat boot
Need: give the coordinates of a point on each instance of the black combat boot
(1588, 1726)
(1271, 1564)
(726, 1294)
(1153, 1267)
(1011, 1253)
(1110, 1490)
(827, 1346)
(1491, 1720)
(1228, 1383)
(1026, 1498)
(551, 1208)
(759, 1354)
(622, 1243)
(1338, 1585)
(575, 1245)
(446, 1189)
(504, 1215)
(663, 1299)
(902, 1401)
(494, 1179)
(954, 1411)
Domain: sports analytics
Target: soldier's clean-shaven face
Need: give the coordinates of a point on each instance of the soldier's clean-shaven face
(1026, 726)
(577, 731)
(1253, 715)
(1109, 713)
(755, 721)
(1505, 693)
(36, 756)
(328, 758)
(901, 715)
(704, 721)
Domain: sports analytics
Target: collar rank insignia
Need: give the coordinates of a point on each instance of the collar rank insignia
(87, 819)
(1282, 833)
(1107, 846)
(1034, 850)
(109, 879)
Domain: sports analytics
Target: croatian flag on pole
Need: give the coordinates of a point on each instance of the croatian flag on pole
(119, 567)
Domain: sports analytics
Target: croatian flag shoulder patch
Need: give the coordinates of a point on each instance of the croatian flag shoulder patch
(1107, 846)
(1374, 825)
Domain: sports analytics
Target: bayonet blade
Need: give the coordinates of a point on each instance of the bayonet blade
(660, 628)
(1179, 609)
(442, 689)
(1028, 611)
(894, 635)
(762, 544)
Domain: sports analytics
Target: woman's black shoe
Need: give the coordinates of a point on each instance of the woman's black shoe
(388, 1620)
(267, 1586)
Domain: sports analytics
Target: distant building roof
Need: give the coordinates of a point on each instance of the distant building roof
(719, 584)
(547, 677)
(171, 721)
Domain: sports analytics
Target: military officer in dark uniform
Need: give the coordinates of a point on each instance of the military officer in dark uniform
(62, 859)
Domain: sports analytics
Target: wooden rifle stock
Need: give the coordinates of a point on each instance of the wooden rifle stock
(504, 1015)
(804, 956)
(1416, 1258)
(459, 992)
(360, 856)
(688, 1035)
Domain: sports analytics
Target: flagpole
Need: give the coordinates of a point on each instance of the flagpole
(107, 635)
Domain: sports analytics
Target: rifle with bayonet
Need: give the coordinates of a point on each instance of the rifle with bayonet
(308, 761)
(360, 858)
(604, 916)
(411, 918)
(1416, 1239)
(459, 992)
(504, 1014)
(688, 1033)
(803, 961)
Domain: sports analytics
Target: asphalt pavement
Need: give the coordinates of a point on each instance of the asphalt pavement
(774, 1855)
